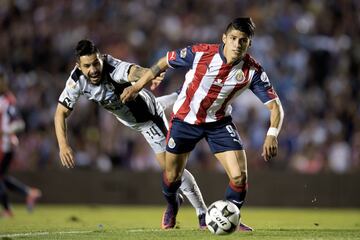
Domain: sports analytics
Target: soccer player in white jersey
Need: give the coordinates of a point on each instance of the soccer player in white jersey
(10, 124)
(217, 73)
(102, 78)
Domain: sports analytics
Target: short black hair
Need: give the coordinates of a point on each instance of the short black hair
(85, 47)
(243, 24)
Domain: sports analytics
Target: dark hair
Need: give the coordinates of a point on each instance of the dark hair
(243, 24)
(85, 47)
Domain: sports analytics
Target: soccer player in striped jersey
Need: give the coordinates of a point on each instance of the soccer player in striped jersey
(217, 74)
(10, 124)
(101, 79)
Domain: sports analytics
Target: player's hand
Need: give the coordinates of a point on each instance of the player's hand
(129, 94)
(156, 81)
(270, 147)
(67, 156)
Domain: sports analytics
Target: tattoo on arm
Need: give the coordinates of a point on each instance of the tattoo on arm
(136, 74)
(155, 69)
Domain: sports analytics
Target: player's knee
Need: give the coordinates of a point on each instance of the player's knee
(239, 180)
(173, 176)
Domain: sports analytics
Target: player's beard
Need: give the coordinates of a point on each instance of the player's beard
(95, 78)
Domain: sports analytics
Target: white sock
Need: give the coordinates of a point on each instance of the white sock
(192, 192)
(167, 101)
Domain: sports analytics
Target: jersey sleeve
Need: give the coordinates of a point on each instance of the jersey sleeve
(70, 94)
(118, 69)
(181, 58)
(261, 87)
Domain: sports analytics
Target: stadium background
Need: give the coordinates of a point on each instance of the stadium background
(310, 50)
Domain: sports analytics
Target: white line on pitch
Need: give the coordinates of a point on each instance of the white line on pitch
(144, 230)
(11, 235)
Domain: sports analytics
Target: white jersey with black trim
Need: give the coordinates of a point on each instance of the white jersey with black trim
(107, 94)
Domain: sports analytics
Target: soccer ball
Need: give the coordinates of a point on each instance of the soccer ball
(222, 217)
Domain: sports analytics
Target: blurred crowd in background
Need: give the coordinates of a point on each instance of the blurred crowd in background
(309, 49)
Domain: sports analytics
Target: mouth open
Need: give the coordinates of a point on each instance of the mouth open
(97, 75)
(95, 78)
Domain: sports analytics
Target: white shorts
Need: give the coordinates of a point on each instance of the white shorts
(154, 131)
(154, 136)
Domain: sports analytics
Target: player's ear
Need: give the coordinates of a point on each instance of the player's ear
(224, 38)
(78, 65)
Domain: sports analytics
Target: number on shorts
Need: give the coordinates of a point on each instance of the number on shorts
(231, 130)
(152, 132)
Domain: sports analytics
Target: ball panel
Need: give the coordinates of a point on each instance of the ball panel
(222, 217)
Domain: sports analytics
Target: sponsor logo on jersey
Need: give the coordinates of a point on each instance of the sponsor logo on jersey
(218, 82)
(207, 67)
(171, 143)
(183, 53)
(172, 56)
(239, 75)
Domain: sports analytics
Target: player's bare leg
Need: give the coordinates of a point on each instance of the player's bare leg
(235, 165)
(190, 189)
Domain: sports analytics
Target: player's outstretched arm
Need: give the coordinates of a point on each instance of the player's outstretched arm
(136, 72)
(65, 151)
(270, 147)
(130, 92)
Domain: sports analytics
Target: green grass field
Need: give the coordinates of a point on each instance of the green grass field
(138, 222)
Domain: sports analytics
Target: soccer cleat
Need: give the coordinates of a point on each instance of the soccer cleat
(202, 222)
(33, 195)
(6, 214)
(169, 216)
(244, 228)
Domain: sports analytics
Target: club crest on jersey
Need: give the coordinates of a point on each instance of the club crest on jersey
(171, 143)
(172, 56)
(183, 53)
(239, 75)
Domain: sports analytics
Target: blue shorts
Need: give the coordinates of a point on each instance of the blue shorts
(221, 136)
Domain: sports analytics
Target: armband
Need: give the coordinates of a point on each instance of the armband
(272, 132)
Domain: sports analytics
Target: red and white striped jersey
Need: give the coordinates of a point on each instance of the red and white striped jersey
(211, 84)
